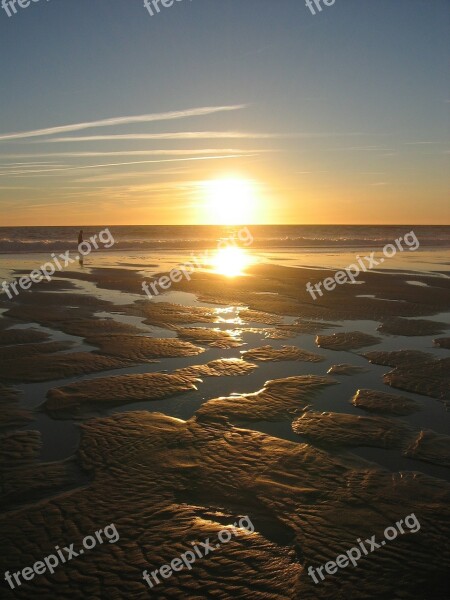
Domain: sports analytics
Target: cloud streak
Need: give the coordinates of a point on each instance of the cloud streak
(166, 116)
(140, 162)
(174, 152)
(192, 135)
(178, 135)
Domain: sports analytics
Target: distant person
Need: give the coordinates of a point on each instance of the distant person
(80, 241)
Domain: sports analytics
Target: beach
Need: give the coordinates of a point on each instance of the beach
(324, 421)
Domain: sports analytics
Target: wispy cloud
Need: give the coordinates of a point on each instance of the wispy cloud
(33, 165)
(179, 135)
(363, 148)
(421, 143)
(123, 175)
(140, 162)
(15, 187)
(166, 116)
(196, 135)
(20, 164)
(185, 152)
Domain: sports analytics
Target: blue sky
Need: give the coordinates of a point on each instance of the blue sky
(337, 117)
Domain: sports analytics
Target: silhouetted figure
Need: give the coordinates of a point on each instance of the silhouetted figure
(80, 241)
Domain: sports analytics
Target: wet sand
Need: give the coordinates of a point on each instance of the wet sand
(175, 417)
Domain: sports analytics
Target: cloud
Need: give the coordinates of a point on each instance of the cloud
(179, 135)
(127, 153)
(120, 176)
(167, 116)
(195, 135)
(5, 169)
(140, 162)
(421, 143)
(364, 148)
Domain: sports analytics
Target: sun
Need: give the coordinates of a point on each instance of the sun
(230, 200)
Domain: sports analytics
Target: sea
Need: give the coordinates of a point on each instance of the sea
(14, 240)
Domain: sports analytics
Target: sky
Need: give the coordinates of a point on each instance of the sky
(214, 111)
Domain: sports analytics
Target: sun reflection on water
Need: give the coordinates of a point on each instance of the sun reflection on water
(231, 261)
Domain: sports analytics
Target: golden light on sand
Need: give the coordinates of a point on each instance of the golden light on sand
(231, 261)
(230, 201)
(229, 315)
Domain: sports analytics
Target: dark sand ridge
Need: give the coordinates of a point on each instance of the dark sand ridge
(443, 342)
(5, 323)
(139, 349)
(21, 336)
(122, 280)
(285, 332)
(23, 480)
(118, 279)
(9, 354)
(346, 369)
(166, 483)
(54, 285)
(114, 391)
(415, 327)
(258, 316)
(218, 368)
(10, 413)
(49, 367)
(266, 353)
(55, 310)
(347, 340)
(26, 483)
(336, 429)
(277, 400)
(214, 338)
(19, 446)
(164, 314)
(385, 404)
(416, 372)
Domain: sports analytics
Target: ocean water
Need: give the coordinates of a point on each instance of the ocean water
(14, 240)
